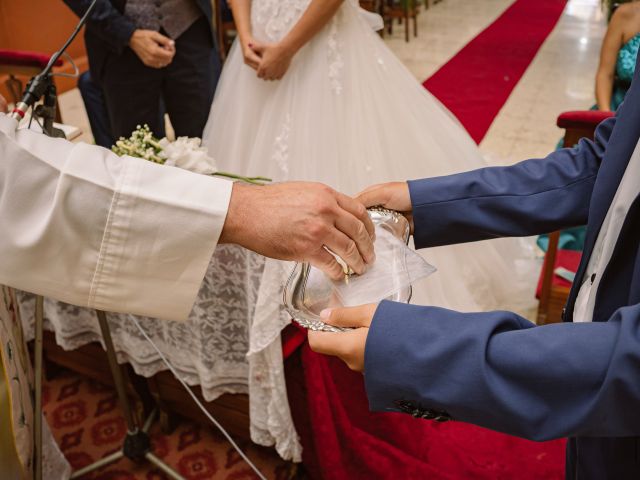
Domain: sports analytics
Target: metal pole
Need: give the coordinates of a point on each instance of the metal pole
(103, 462)
(37, 417)
(116, 372)
(136, 445)
(162, 466)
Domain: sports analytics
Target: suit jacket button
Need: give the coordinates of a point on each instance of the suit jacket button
(404, 406)
(428, 414)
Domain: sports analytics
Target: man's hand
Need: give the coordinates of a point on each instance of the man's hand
(4, 107)
(296, 221)
(393, 195)
(275, 60)
(348, 346)
(154, 49)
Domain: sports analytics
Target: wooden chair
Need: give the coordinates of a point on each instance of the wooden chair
(553, 297)
(404, 11)
(225, 29)
(375, 6)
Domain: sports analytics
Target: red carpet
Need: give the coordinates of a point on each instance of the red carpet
(477, 81)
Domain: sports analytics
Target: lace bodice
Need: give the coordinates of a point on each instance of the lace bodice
(271, 20)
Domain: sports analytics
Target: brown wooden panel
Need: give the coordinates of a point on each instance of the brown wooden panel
(41, 26)
(232, 411)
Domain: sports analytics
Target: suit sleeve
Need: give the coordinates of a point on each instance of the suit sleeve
(106, 22)
(121, 234)
(500, 371)
(532, 197)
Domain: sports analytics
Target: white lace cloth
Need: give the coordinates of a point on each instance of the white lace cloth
(54, 464)
(221, 348)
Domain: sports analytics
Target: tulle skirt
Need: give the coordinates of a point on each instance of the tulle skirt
(349, 114)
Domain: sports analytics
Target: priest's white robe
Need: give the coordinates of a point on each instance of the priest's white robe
(121, 234)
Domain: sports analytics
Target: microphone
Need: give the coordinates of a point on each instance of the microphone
(36, 88)
(38, 85)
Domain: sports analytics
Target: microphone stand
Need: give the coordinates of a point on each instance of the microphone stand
(38, 87)
(42, 85)
(137, 443)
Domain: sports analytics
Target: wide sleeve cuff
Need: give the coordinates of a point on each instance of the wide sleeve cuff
(161, 232)
(383, 355)
(485, 368)
(89, 228)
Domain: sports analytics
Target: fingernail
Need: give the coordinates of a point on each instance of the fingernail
(326, 313)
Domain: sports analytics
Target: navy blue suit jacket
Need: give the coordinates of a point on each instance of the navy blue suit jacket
(498, 370)
(109, 30)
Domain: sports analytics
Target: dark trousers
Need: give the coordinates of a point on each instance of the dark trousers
(135, 93)
(93, 99)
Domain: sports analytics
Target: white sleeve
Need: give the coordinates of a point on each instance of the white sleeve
(121, 234)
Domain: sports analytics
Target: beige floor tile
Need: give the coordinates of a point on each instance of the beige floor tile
(73, 113)
(560, 78)
(443, 29)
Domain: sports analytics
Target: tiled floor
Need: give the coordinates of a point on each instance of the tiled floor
(560, 78)
(443, 29)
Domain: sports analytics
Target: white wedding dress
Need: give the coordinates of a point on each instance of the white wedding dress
(349, 114)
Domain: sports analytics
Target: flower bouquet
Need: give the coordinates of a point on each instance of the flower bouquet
(184, 152)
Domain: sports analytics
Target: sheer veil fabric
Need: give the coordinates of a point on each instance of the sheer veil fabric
(348, 114)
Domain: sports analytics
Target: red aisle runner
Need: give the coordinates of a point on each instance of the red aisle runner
(477, 81)
(342, 440)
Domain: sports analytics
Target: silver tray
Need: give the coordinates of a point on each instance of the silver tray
(308, 291)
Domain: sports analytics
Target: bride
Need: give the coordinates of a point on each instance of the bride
(311, 92)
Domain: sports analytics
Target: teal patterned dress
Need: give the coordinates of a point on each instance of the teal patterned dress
(573, 238)
(625, 68)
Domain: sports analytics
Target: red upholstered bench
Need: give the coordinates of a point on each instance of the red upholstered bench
(25, 64)
(568, 259)
(580, 124)
(12, 59)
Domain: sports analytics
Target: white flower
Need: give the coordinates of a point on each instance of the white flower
(187, 153)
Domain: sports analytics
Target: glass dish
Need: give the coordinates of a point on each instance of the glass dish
(308, 291)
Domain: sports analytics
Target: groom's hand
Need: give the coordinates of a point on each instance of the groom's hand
(152, 48)
(4, 108)
(296, 221)
(348, 346)
(393, 195)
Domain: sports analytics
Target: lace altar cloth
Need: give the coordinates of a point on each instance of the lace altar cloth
(221, 347)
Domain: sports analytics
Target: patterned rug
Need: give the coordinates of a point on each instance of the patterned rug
(87, 424)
